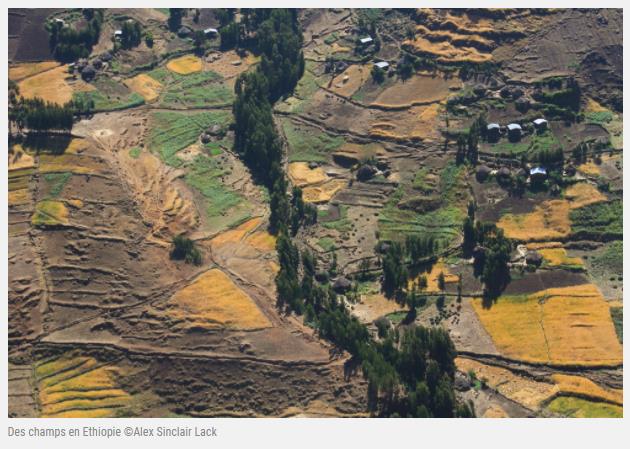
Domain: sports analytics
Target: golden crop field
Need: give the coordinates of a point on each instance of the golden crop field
(213, 300)
(52, 85)
(262, 241)
(144, 85)
(185, 65)
(549, 220)
(73, 386)
(301, 175)
(324, 192)
(237, 234)
(583, 387)
(20, 71)
(558, 256)
(565, 326)
(582, 194)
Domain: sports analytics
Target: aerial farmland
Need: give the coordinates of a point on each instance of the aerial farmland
(315, 213)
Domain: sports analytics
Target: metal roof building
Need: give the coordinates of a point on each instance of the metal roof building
(366, 40)
(382, 64)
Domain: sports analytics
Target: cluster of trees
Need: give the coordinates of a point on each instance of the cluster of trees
(38, 115)
(390, 368)
(183, 248)
(256, 139)
(416, 250)
(409, 373)
(468, 142)
(563, 101)
(550, 156)
(70, 44)
(131, 34)
(175, 16)
(491, 250)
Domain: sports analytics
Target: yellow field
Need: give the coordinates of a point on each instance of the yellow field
(20, 71)
(350, 80)
(52, 85)
(50, 213)
(582, 194)
(549, 220)
(525, 391)
(262, 241)
(422, 88)
(580, 386)
(569, 325)
(19, 197)
(589, 168)
(558, 256)
(301, 175)
(324, 192)
(73, 386)
(144, 85)
(67, 162)
(213, 301)
(185, 65)
(237, 234)
(434, 274)
(444, 51)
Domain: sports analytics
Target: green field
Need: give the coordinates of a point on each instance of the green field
(203, 89)
(444, 222)
(573, 407)
(604, 219)
(174, 131)
(204, 174)
(610, 260)
(110, 96)
(57, 182)
(308, 144)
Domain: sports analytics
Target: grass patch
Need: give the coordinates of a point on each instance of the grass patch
(573, 407)
(57, 182)
(599, 117)
(601, 219)
(205, 176)
(308, 144)
(616, 313)
(610, 260)
(326, 243)
(443, 223)
(173, 131)
(196, 90)
(134, 153)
